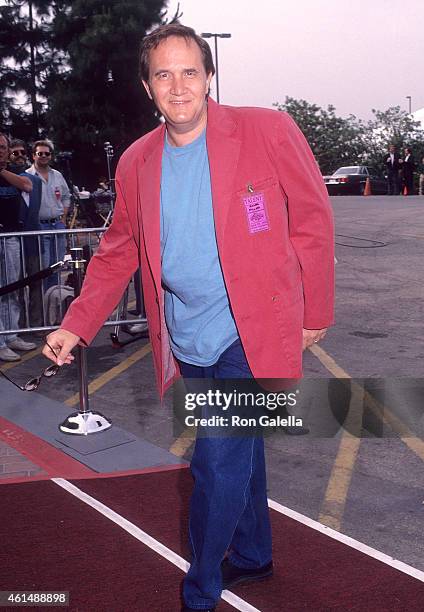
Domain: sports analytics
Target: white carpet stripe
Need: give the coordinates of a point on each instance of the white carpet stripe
(364, 548)
(142, 536)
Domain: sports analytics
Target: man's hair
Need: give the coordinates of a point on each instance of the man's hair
(17, 142)
(153, 40)
(42, 143)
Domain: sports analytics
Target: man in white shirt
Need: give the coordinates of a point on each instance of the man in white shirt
(55, 201)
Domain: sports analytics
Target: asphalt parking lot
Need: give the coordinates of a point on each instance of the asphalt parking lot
(380, 290)
(365, 479)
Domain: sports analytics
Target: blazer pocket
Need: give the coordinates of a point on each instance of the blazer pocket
(258, 185)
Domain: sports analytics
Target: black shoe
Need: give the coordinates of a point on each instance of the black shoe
(231, 574)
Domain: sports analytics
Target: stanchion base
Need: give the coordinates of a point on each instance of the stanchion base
(84, 423)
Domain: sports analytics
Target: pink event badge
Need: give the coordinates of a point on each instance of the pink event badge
(257, 218)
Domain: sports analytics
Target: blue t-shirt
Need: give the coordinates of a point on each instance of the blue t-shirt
(197, 310)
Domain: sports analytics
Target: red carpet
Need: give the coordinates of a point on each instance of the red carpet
(55, 542)
(52, 541)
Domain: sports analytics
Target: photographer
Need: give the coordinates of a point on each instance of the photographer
(12, 185)
(30, 222)
(55, 201)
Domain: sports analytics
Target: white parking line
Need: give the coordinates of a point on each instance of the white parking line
(364, 548)
(142, 536)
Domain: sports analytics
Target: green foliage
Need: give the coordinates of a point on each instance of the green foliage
(343, 142)
(99, 97)
(26, 60)
(393, 126)
(82, 81)
(334, 141)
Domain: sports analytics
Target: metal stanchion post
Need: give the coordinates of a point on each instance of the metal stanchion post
(85, 421)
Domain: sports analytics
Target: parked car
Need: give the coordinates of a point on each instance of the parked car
(351, 180)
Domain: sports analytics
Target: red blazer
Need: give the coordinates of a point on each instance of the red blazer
(279, 280)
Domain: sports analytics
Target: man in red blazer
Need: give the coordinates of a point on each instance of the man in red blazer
(226, 212)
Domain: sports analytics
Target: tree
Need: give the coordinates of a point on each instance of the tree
(335, 141)
(99, 97)
(339, 142)
(26, 60)
(69, 73)
(392, 126)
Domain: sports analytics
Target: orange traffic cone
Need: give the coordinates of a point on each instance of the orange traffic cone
(405, 190)
(367, 190)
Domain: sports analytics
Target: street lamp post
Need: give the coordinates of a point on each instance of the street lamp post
(216, 36)
(409, 98)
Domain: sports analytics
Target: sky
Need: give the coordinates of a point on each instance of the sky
(356, 55)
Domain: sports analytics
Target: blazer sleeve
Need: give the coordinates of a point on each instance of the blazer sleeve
(311, 226)
(107, 275)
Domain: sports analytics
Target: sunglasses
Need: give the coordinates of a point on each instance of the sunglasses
(34, 383)
(43, 154)
(19, 152)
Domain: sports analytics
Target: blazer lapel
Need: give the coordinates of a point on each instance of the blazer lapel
(223, 152)
(148, 196)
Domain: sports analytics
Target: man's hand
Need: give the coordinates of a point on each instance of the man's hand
(62, 342)
(311, 336)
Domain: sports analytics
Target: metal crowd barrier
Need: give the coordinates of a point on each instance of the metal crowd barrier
(87, 238)
(22, 256)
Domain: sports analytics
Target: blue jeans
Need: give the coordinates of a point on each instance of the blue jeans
(228, 508)
(53, 248)
(10, 271)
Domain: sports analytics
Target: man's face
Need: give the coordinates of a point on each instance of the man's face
(42, 156)
(178, 83)
(4, 150)
(392, 148)
(17, 155)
